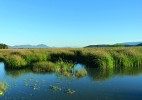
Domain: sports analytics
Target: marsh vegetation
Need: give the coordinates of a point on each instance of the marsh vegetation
(81, 81)
(73, 71)
(105, 58)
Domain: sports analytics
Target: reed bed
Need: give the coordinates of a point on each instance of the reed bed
(105, 58)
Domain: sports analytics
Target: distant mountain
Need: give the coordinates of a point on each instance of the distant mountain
(126, 44)
(29, 46)
(131, 43)
(139, 44)
(106, 45)
(100, 45)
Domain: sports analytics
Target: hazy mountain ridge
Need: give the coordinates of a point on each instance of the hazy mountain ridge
(131, 43)
(30, 46)
(126, 44)
(139, 44)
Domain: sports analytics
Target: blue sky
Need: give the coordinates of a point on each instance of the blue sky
(70, 22)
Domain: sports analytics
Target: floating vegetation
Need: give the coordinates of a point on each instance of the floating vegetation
(14, 85)
(35, 87)
(3, 88)
(31, 94)
(70, 91)
(26, 84)
(55, 88)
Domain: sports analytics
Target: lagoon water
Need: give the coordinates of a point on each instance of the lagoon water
(97, 85)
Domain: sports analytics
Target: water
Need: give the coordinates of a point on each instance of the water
(97, 85)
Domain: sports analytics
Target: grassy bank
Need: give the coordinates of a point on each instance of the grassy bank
(105, 58)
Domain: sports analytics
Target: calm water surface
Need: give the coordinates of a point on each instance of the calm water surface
(97, 85)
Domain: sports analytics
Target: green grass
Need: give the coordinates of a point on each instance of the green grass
(64, 68)
(44, 67)
(3, 88)
(80, 73)
(15, 61)
(104, 58)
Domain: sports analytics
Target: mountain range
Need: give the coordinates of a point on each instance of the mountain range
(99, 45)
(29, 46)
(126, 44)
(130, 43)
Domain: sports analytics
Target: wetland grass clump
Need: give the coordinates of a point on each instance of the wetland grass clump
(80, 73)
(32, 56)
(44, 66)
(15, 62)
(104, 58)
(121, 60)
(97, 58)
(64, 54)
(3, 88)
(135, 57)
(64, 68)
(127, 57)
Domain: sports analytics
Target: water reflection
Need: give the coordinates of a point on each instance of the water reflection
(28, 85)
(17, 73)
(93, 73)
(101, 75)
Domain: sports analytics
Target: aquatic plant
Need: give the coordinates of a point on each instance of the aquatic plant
(105, 58)
(64, 68)
(80, 73)
(70, 91)
(55, 88)
(44, 67)
(15, 61)
(3, 88)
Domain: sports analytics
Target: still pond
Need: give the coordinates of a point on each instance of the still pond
(96, 85)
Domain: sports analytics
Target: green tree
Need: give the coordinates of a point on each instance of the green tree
(3, 46)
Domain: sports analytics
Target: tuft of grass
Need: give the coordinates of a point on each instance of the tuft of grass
(105, 58)
(64, 68)
(44, 67)
(15, 61)
(3, 88)
(80, 73)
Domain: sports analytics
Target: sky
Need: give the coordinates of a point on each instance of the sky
(70, 22)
